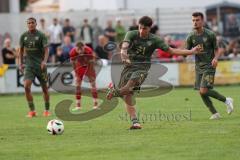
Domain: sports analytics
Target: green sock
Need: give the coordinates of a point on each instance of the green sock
(216, 95)
(31, 106)
(207, 101)
(47, 106)
(134, 120)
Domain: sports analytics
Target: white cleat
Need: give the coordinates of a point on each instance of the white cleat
(96, 107)
(215, 116)
(229, 104)
(76, 109)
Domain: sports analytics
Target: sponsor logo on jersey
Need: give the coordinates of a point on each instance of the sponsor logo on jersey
(36, 38)
(149, 43)
(204, 39)
(25, 38)
(193, 41)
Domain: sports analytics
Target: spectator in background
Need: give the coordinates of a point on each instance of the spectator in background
(59, 56)
(232, 26)
(101, 53)
(233, 45)
(67, 47)
(166, 56)
(8, 53)
(86, 34)
(120, 31)
(42, 27)
(214, 26)
(97, 31)
(69, 30)
(234, 50)
(155, 29)
(235, 55)
(7, 35)
(56, 36)
(222, 47)
(134, 25)
(110, 31)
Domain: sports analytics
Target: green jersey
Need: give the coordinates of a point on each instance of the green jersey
(141, 49)
(33, 44)
(207, 41)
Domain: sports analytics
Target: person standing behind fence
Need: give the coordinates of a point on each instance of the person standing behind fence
(86, 34)
(120, 31)
(110, 32)
(34, 44)
(134, 25)
(8, 53)
(69, 30)
(101, 53)
(43, 27)
(97, 31)
(55, 38)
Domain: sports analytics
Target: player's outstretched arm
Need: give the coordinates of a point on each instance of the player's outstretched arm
(195, 50)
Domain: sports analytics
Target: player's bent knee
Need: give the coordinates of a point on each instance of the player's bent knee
(203, 91)
(27, 88)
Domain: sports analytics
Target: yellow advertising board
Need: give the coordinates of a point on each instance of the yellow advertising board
(228, 72)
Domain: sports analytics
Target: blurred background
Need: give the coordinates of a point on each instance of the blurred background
(96, 22)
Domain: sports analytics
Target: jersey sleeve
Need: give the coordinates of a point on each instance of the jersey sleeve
(214, 41)
(189, 42)
(129, 36)
(160, 44)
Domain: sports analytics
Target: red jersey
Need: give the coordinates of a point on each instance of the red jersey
(84, 66)
(82, 59)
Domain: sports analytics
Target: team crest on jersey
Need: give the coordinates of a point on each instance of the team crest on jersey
(25, 38)
(36, 38)
(193, 41)
(149, 43)
(204, 39)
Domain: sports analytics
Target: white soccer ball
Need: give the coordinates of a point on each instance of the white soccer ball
(55, 127)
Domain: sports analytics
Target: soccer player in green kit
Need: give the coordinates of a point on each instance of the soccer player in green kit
(136, 51)
(206, 64)
(35, 46)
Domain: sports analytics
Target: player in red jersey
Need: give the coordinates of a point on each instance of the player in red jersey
(82, 58)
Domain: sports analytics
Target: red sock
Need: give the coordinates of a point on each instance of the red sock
(78, 96)
(94, 93)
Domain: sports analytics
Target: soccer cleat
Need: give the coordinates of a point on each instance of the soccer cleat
(215, 116)
(46, 113)
(95, 106)
(110, 91)
(76, 109)
(31, 114)
(136, 126)
(229, 104)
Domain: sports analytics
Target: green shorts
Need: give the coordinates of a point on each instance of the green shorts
(30, 73)
(132, 73)
(204, 80)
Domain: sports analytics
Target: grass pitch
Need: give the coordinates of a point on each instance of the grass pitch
(176, 126)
